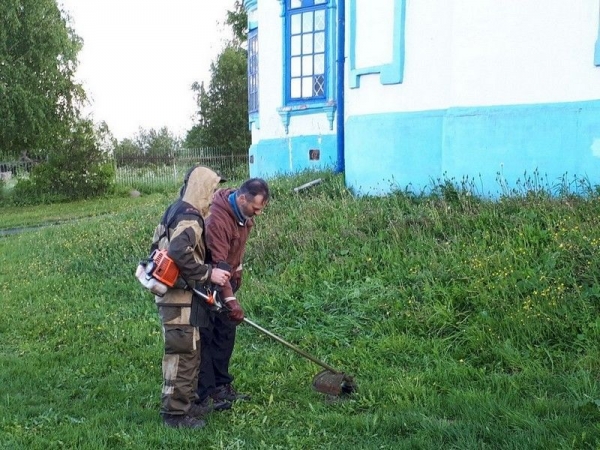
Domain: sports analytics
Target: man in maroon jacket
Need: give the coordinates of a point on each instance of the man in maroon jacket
(227, 228)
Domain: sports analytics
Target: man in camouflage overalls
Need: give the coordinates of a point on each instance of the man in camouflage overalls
(181, 233)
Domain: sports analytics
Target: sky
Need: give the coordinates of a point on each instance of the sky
(140, 58)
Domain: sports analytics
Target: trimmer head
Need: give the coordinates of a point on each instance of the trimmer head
(332, 383)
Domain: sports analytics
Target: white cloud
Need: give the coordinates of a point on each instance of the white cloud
(140, 58)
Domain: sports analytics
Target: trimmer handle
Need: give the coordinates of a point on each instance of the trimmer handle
(224, 266)
(212, 294)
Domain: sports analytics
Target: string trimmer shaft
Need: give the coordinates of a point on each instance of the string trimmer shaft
(330, 381)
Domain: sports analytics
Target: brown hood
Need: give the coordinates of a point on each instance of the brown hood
(199, 187)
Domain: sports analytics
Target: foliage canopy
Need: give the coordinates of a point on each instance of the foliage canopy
(40, 105)
(39, 98)
(150, 143)
(223, 106)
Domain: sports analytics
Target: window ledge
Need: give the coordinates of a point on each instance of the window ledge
(286, 112)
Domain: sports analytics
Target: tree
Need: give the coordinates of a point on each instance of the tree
(106, 140)
(148, 147)
(238, 21)
(223, 107)
(155, 144)
(39, 98)
(40, 106)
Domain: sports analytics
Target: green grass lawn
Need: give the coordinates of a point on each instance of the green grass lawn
(467, 324)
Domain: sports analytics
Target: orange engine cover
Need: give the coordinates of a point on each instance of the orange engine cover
(165, 269)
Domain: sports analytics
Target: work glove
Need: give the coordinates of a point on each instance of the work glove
(236, 313)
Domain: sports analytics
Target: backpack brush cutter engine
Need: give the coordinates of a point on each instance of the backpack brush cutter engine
(160, 272)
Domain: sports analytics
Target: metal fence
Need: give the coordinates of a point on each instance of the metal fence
(133, 170)
(15, 169)
(137, 170)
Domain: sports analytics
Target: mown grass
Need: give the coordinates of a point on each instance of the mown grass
(467, 324)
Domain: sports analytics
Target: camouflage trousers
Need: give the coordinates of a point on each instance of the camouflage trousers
(180, 360)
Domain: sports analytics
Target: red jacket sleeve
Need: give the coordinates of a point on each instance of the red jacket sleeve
(218, 239)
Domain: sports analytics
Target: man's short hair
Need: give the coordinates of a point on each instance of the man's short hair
(253, 187)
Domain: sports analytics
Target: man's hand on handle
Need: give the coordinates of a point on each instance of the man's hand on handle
(219, 276)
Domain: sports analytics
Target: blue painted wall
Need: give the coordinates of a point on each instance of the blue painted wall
(385, 151)
(499, 147)
(273, 157)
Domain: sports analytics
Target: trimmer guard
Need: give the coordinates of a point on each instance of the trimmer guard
(332, 383)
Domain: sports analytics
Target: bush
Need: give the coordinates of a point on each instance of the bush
(77, 170)
(69, 175)
(26, 193)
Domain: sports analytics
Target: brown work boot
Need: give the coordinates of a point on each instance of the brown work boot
(227, 392)
(208, 405)
(183, 421)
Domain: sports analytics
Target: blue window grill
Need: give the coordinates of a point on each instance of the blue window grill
(253, 71)
(306, 50)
